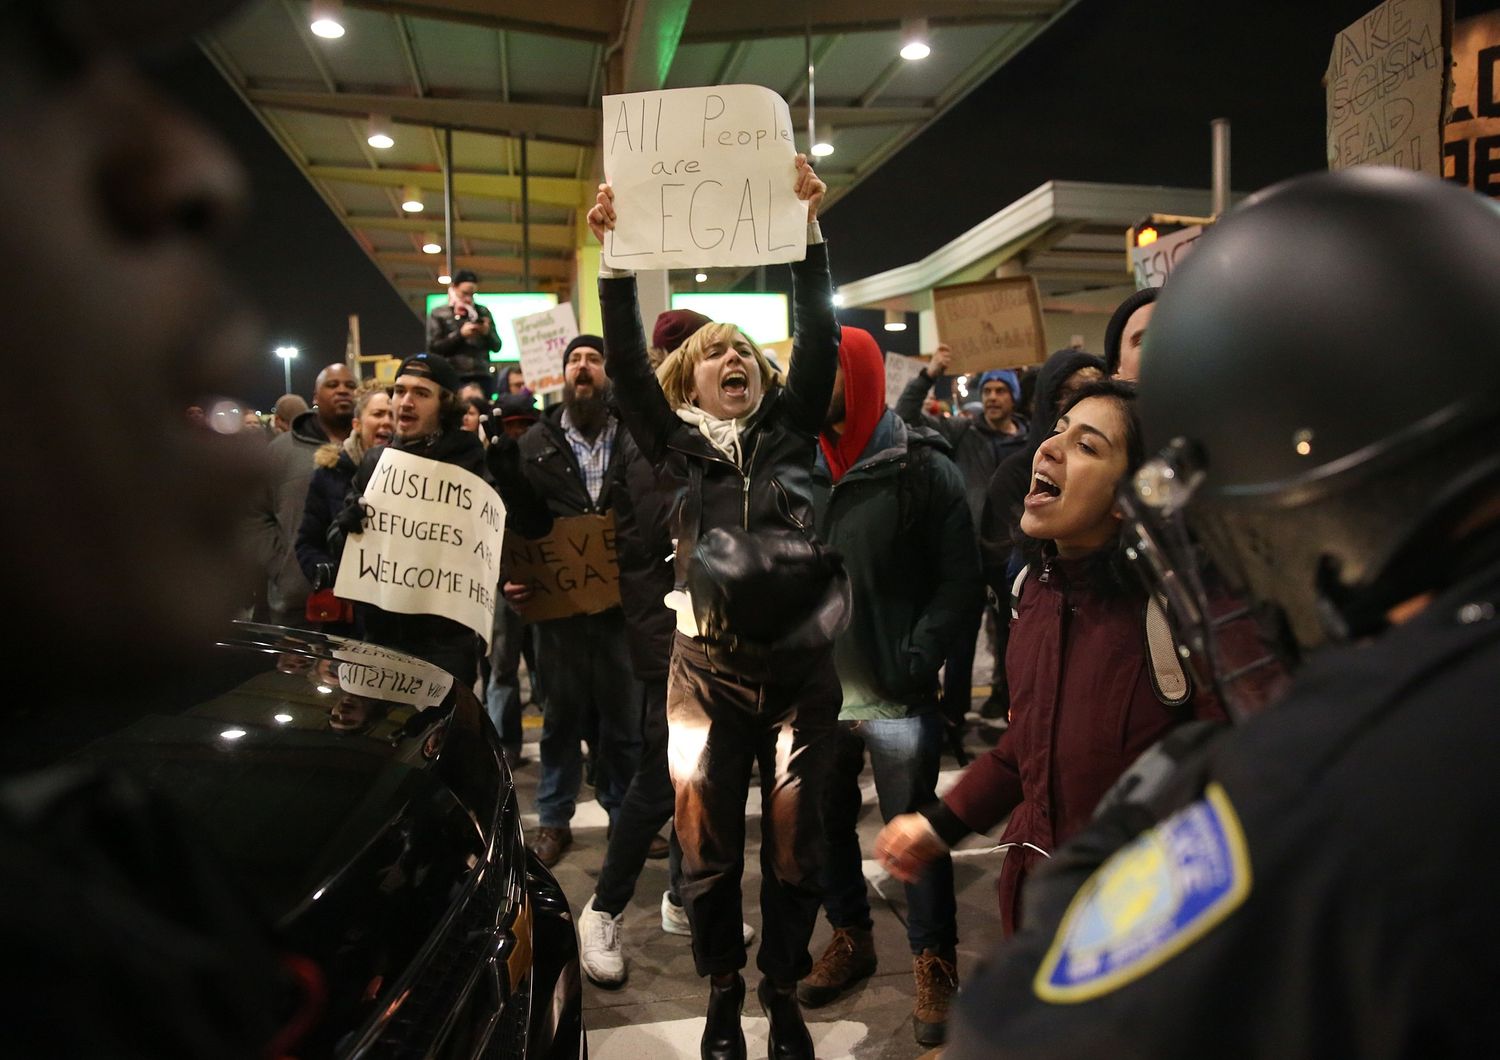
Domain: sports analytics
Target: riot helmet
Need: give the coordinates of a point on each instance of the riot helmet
(1319, 388)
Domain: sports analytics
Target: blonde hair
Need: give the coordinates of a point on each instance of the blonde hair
(675, 373)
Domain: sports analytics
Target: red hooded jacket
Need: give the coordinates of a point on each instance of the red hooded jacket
(864, 400)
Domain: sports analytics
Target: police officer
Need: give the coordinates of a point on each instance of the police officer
(1319, 382)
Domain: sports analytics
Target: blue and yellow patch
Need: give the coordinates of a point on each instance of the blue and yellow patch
(1149, 902)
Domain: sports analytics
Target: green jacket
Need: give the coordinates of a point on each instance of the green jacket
(901, 521)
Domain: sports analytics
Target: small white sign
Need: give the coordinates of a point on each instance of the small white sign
(900, 370)
(431, 543)
(541, 338)
(702, 177)
(379, 673)
(1154, 262)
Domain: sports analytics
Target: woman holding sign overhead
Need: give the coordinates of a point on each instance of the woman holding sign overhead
(759, 601)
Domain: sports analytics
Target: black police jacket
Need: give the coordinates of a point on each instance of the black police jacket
(1318, 883)
(773, 491)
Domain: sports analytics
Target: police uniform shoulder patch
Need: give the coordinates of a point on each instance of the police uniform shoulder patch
(1149, 902)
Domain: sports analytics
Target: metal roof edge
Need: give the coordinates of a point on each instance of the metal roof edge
(1056, 200)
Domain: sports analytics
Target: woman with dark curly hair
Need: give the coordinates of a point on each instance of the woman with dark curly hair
(1086, 700)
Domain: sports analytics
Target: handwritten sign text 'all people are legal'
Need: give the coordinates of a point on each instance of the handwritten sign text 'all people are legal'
(702, 177)
(430, 545)
(542, 337)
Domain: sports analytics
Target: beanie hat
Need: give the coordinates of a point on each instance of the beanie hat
(594, 342)
(432, 366)
(676, 326)
(515, 407)
(864, 400)
(1004, 375)
(1114, 332)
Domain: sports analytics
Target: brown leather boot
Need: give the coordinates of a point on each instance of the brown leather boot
(937, 982)
(850, 957)
(550, 844)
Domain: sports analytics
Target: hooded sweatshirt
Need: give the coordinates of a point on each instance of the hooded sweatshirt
(864, 400)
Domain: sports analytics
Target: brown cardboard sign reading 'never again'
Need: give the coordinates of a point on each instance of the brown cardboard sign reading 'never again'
(991, 324)
(571, 571)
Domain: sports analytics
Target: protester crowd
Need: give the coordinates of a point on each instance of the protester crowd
(805, 566)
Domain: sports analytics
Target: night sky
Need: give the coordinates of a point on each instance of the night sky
(1118, 90)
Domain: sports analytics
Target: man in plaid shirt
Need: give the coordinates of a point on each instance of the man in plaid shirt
(589, 686)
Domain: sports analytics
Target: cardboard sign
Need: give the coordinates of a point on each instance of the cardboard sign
(431, 543)
(900, 370)
(379, 673)
(571, 571)
(991, 324)
(541, 338)
(1385, 85)
(1471, 139)
(1154, 262)
(702, 177)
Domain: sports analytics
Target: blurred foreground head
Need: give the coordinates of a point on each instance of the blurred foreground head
(1319, 389)
(120, 530)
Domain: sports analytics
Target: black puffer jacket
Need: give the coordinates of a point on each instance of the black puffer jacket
(774, 490)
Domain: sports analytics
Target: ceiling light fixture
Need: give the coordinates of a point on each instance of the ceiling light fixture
(914, 39)
(824, 147)
(411, 199)
(328, 19)
(430, 245)
(378, 132)
(445, 279)
(702, 277)
(895, 320)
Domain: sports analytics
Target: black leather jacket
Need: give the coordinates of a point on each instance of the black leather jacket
(773, 491)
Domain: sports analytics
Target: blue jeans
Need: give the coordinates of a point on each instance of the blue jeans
(585, 667)
(904, 755)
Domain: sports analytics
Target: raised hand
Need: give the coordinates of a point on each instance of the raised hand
(809, 187)
(602, 214)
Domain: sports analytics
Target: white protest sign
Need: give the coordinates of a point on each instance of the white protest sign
(542, 337)
(1385, 85)
(379, 673)
(899, 371)
(431, 543)
(1154, 262)
(702, 177)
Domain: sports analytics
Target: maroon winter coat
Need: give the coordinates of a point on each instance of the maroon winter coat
(1083, 708)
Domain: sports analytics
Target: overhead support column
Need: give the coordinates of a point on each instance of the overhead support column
(637, 61)
(448, 200)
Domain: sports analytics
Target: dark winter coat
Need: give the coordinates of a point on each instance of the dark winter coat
(643, 543)
(549, 465)
(326, 493)
(774, 489)
(977, 449)
(1083, 708)
(278, 515)
(898, 517)
(445, 338)
(1361, 919)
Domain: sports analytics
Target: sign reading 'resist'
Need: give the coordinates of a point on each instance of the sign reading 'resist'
(702, 177)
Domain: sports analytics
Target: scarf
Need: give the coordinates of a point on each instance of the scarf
(864, 401)
(723, 435)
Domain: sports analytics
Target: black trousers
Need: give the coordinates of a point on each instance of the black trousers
(720, 724)
(648, 805)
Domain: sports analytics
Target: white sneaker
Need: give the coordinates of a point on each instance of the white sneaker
(674, 920)
(599, 946)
